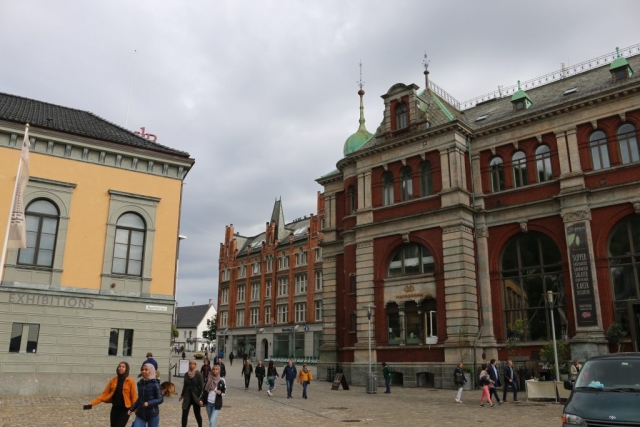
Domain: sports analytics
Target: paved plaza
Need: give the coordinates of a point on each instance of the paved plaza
(404, 406)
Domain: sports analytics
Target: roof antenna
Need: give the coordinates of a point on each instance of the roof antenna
(126, 119)
(425, 64)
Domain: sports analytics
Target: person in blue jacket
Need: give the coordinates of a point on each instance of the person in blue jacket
(149, 398)
(290, 374)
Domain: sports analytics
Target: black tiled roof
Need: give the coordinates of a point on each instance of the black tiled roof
(190, 317)
(50, 116)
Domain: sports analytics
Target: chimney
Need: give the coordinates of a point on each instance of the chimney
(210, 302)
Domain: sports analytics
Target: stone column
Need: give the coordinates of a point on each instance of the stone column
(444, 169)
(364, 297)
(328, 349)
(364, 213)
(460, 291)
(403, 338)
(484, 285)
(571, 178)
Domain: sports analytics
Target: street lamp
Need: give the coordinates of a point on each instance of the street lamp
(371, 380)
(294, 329)
(553, 331)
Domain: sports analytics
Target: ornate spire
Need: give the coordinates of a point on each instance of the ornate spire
(425, 64)
(361, 93)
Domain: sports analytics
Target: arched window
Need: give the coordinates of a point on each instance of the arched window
(411, 259)
(426, 180)
(352, 200)
(519, 165)
(129, 245)
(407, 183)
(543, 163)
(496, 168)
(401, 115)
(42, 229)
(531, 266)
(599, 151)
(387, 188)
(624, 266)
(628, 142)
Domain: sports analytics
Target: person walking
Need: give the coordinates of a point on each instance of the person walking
(223, 368)
(204, 370)
(386, 373)
(485, 382)
(272, 374)
(260, 372)
(191, 392)
(290, 373)
(231, 356)
(214, 389)
(247, 370)
(149, 398)
(184, 355)
(575, 370)
(121, 393)
(510, 381)
(304, 378)
(459, 380)
(492, 370)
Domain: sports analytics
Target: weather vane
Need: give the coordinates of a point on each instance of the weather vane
(360, 83)
(425, 63)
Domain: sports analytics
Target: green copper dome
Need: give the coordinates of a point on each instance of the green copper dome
(362, 135)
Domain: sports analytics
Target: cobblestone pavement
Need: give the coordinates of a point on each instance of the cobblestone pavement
(323, 408)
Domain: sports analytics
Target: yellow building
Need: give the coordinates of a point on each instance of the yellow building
(96, 283)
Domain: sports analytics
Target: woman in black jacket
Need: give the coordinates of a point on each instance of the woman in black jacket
(260, 372)
(191, 392)
(214, 389)
(247, 370)
(272, 374)
(149, 397)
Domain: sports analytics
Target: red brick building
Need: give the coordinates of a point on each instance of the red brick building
(455, 221)
(269, 298)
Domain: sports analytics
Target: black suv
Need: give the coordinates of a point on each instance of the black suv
(606, 393)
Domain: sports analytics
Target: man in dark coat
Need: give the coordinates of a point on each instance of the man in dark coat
(510, 381)
(492, 370)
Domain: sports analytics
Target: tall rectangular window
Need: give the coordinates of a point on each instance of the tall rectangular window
(224, 297)
(352, 284)
(318, 307)
(243, 271)
(283, 311)
(254, 316)
(353, 321)
(267, 291)
(255, 291)
(240, 317)
(269, 263)
(318, 280)
(24, 338)
(267, 315)
(241, 293)
(301, 283)
(224, 318)
(256, 268)
(301, 312)
(283, 286)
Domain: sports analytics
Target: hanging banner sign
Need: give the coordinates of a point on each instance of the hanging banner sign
(580, 261)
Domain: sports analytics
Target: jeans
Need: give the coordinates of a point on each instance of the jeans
(151, 422)
(289, 387)
(387, 383)
(304, 388)
(272, 384)
(213, 414)
(247, 380)
(260, 380)
(513, 384)
(493, 391)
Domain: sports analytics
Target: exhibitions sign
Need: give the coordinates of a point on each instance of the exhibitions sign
(580, 261)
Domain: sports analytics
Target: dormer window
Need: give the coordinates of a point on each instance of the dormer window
(401, 115)
(520, 99)
(620, 68)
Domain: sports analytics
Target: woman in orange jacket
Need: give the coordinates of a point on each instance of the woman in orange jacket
(304, 378)
(121, 392)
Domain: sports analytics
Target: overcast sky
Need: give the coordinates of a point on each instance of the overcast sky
(263, 93)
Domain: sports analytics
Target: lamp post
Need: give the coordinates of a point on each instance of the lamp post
(371, 380)
(553, 331)
(294, 329)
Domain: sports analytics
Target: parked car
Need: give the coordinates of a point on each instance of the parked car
(606, 392)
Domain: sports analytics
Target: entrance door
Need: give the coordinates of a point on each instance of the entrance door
(265, 349)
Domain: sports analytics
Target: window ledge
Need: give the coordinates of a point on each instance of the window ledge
(34, 267)
(406, 202)
(126, 276)
(524, 187)
(411, 277)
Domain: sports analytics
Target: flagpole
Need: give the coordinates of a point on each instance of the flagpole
(3, 256)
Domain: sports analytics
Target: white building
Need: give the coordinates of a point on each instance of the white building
(191, 323)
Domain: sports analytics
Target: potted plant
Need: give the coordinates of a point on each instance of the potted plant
(615, 333)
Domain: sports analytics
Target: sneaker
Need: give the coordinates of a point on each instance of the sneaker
(505, 401)
(482, 405)
(457, 400)
(494, 405)
(269, 392)
(516, 400)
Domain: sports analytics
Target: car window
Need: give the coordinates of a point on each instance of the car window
(610, 374)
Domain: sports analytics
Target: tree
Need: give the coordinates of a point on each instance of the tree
(174, 331)
(210, 333)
